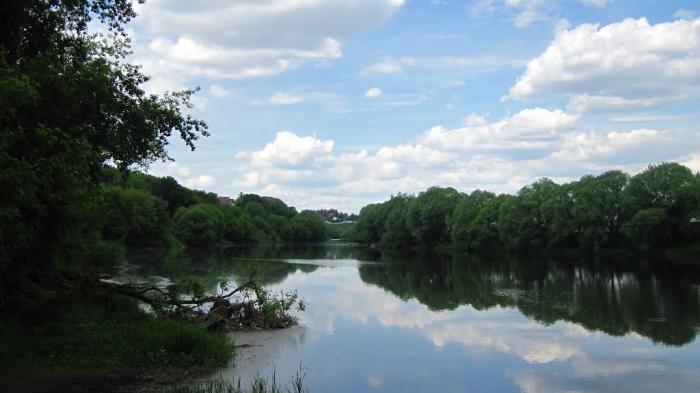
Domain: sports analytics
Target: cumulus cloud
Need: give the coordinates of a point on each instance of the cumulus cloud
(528, 129)
(500, 156)
(179, 40)
(373, 92)
(627, 65)
(291, 150)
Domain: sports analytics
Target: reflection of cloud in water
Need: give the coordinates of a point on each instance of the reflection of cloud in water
(331, 262)
(258, 350)
(334, 294)
(375, 381)
(594, 374)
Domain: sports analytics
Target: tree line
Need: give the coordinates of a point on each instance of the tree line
(144, 210)
(656, 208)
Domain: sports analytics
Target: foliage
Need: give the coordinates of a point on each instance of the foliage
(306, 226)
(133, 216)
(103, 335)
(659, 206)
(69, 104)
(199, 226)
(429, 216)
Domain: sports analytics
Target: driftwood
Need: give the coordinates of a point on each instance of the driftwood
(223, 314)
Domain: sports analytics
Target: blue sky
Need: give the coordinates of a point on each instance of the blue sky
(340, 103)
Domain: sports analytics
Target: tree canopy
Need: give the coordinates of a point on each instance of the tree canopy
(658, 207)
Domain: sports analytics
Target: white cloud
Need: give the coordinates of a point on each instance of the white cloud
(528, 129)
(391, 65)
(373, 92)
(685, 14)
(482, 8)
(581, 146)
(529, 11)
(608, 374)
(218, 91)
(584, 103)
(385, 66)
(621, 66)
(693, 162)
(644, 118)
(281, 98)
(596, 3)
(291, 150)
(417, 155)
(199, 103)
(178, 40)
(200, 182)
(521, 13)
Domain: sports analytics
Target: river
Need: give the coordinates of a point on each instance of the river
(381, 323)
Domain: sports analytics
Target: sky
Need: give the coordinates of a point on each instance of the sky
(341, 103)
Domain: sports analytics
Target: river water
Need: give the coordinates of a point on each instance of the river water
(457, 324)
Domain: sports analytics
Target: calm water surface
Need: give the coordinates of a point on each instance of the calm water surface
(457, 324)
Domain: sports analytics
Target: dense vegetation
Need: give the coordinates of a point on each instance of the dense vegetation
(74, 124)
(143, 210)
(658, 207)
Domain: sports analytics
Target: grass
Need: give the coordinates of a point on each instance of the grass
(107, 335)
(257, 385)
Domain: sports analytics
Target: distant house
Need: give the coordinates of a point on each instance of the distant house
(224, 200)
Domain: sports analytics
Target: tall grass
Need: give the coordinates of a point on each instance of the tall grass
(257, 385)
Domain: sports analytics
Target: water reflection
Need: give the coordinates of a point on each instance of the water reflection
(661, 305)
(465, 324)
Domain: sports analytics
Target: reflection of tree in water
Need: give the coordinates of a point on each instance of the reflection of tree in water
(267, 262)
(266, 272)
(661, 305)
(312, 251)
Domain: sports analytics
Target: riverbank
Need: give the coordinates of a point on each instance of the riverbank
(105, 343)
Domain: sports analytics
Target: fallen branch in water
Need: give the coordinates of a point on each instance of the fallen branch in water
(256, 309)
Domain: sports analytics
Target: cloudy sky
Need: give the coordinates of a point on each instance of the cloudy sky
(339, 103)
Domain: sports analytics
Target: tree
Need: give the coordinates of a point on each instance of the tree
(601, 207)
(395, 233)
(306, 226)
(466, 211)
(199, 227)
(524, 221)
(670, 187)
(429, 215)
(69, 104)
(133, 217)
(369, 226)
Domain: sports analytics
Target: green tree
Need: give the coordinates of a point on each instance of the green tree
(306, 226)
(524, 221)
(465, 213)
(601, 207)
(430, 214)
(369, 226)
(199, 227)
(394, 231)
(69, 104)
(671, 188)
(133, 217)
